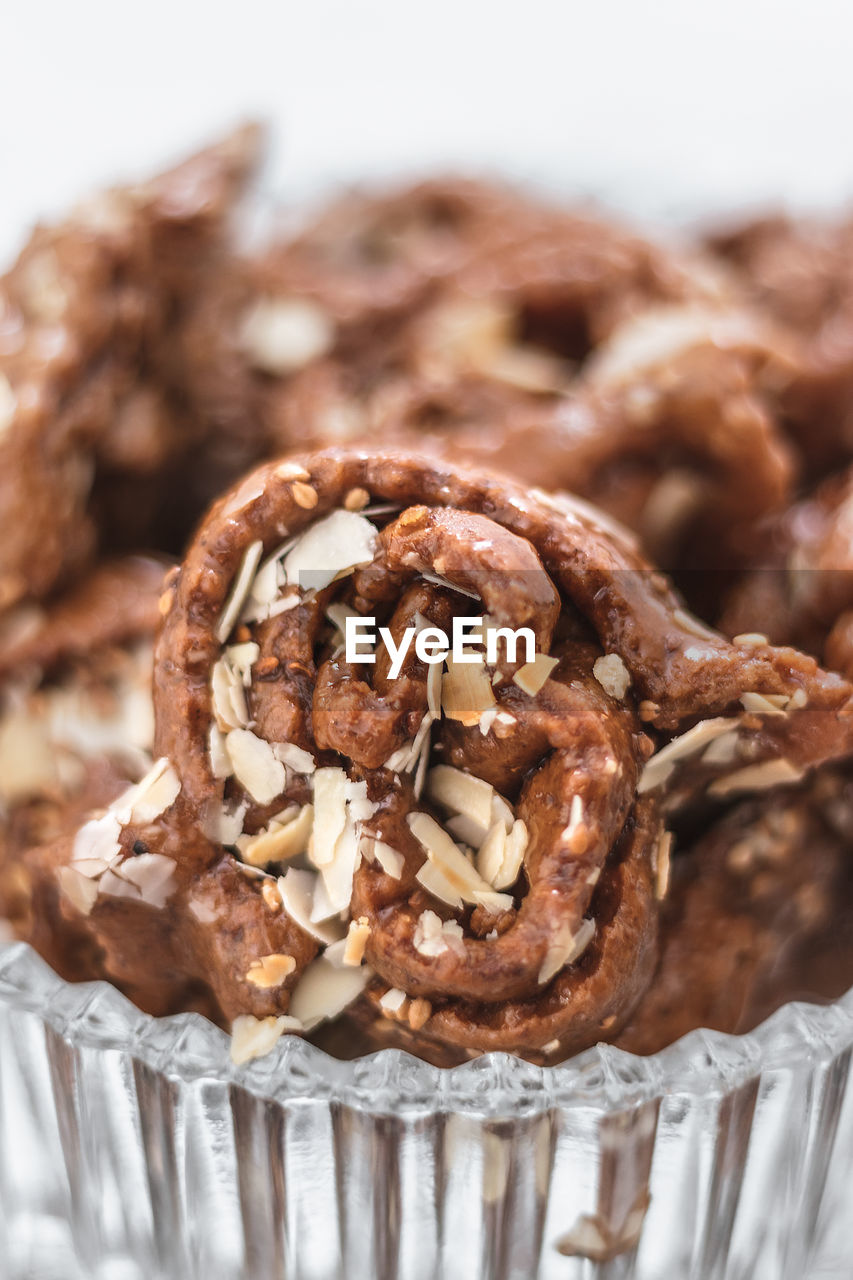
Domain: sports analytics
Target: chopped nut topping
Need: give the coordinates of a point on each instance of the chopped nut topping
(453, 867)
(285, 837)
(255, 765)
(661, 864)
(757, 777)
(297, 890)
(99, 838)
(330, 813)
(227, 825)
(462, 793)
(392, 1001)
(659, 767)
(688, 622)
(270, 971)
(612, 674)
(202, 911)
(256, 1037)
(151, 873)
(325, 990)
(228, 697)
(80, 891)
(434, 678)
(487, 719)
(436, 883)
(271, 896)
(439, 581)
(337, 874)
(281, 335)
(566, 949)
(501, 854)
(752, 639)
(292, 470)
(409, 757)
(330, 548)
(389, 859)
(337, 613)
(576, 834)
(466, 691)
(239, 590)
(294, 758)
(151, 797)
(722, 750)
(420, 1012)
(760, 705)
(531, 677)
(433, 936)
(356, 941)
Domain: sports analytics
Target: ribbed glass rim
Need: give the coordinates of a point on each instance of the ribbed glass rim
(188, 1048)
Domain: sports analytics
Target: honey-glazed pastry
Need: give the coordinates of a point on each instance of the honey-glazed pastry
(670, 427)
(331, 300)
(799, 589)
(76, 718)
(480, 850)
(91, 426)
(302, 344)
(799, 272)
(750, 922)
(633, 378)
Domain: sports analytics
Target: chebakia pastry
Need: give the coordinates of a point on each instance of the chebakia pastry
(800, 272)
(76, 718)
(750, 921)
(475, 848)
(557, 347)
(801, 581)
(92, 422)
(332, 300)
(670, 426)
(438, 284)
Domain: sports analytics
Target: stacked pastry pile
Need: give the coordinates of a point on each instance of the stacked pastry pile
(600, 840)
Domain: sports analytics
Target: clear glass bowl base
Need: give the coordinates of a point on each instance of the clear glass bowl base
(132, 1149)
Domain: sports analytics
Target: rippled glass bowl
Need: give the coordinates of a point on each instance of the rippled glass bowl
(132, 1147)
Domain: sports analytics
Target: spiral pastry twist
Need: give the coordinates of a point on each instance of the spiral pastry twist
(477, 853)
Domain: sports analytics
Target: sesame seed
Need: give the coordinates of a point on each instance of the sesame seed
(304, 495)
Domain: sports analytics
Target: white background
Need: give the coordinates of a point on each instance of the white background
(665, 108)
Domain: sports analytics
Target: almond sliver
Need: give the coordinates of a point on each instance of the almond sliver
(239, 590)
(297, 890)
(531, 677)
(280, 841)
(466, 691)
(325, 990)
(462, 793)
(330, 813)
(443, 854)
(255, 766)
(329, 549)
